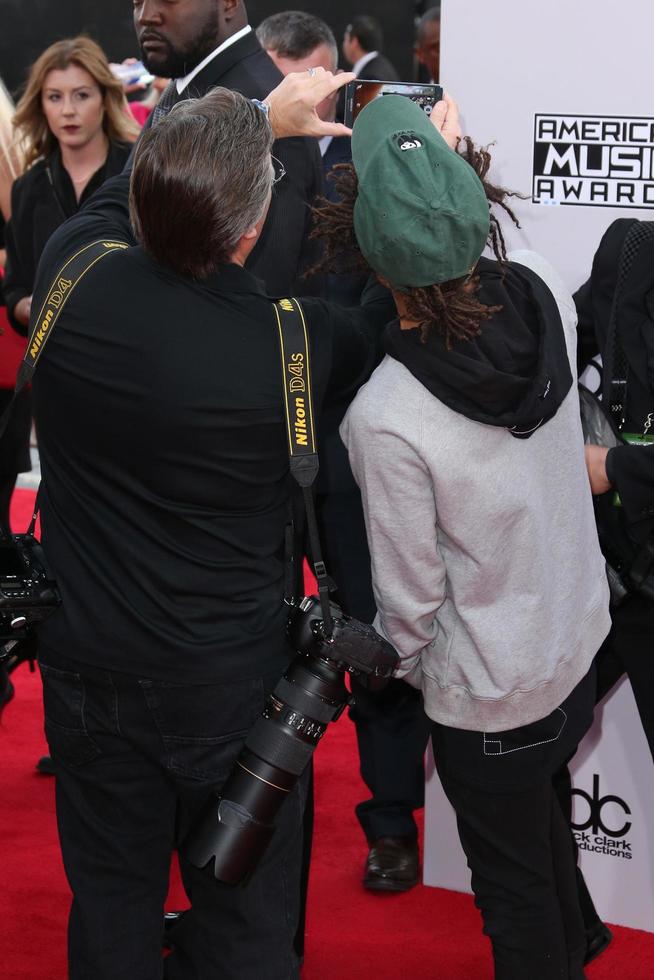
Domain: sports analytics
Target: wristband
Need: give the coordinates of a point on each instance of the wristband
(265, 108)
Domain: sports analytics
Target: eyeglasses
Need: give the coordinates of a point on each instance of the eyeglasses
(279, 168)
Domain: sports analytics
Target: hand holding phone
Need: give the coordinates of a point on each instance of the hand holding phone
(445, 117)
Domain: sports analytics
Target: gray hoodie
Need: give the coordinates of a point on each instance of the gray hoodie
(487, 573)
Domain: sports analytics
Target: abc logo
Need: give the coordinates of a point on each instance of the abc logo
(601, 811)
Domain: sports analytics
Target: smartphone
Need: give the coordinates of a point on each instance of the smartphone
(362, 91)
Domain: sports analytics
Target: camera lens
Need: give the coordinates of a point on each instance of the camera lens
(236, 828)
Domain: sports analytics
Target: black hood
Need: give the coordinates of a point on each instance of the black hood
(515, 374)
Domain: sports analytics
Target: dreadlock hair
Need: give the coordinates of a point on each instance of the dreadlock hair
(451, 308)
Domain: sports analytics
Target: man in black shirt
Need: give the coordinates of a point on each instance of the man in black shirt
(204, 43)
(165, 501)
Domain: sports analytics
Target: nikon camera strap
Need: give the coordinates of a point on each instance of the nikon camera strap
(71, 273)
(301, 430)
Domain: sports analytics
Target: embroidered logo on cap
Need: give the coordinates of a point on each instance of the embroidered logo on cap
(409, 141)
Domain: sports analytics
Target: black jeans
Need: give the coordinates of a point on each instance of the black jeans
(516, 839)
(627, 649)
(391, 725)
(137, 760)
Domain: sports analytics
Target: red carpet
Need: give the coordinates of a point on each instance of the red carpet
(351, 935)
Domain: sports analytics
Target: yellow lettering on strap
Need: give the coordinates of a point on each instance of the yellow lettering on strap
(72, 272)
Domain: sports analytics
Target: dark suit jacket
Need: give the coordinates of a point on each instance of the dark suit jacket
(345, 289)
(380, 69)
(338, 151)
(282, 253)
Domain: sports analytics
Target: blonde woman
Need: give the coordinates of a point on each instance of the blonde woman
(74, 130)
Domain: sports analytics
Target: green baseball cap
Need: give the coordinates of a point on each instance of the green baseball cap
(421, 216)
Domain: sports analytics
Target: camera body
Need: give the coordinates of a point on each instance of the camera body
(28, 591)
(236, 828)
(353, 646)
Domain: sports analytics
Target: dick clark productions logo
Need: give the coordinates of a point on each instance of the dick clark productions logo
(605, 826)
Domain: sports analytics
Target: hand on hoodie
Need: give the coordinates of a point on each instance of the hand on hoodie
(596, 466)
(445, 117)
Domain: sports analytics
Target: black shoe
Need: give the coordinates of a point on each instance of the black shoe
(392, 865)
(46, 766)
(170, 921)
(598, 938)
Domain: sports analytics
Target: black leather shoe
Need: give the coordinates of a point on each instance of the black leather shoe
(392, 865)
(598, 938)
(46, 766)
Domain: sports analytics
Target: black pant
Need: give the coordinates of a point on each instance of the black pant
(627, 649)
(137, 760)
(563, 788)
(392, 733)
(516, 839)
(391, 725)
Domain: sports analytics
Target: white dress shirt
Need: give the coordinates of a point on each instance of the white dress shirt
(324, 144)
(359, 65)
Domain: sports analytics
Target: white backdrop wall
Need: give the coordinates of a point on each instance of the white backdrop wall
(506, 61)
(565, 91)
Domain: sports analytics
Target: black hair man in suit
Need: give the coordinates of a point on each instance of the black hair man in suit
(362, 48)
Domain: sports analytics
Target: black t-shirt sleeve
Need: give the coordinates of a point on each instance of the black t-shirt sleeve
(354, 339)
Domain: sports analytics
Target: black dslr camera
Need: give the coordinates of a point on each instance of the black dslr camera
(28, 594)
(237, 826)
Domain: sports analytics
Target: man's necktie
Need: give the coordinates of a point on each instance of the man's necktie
(165, 103)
